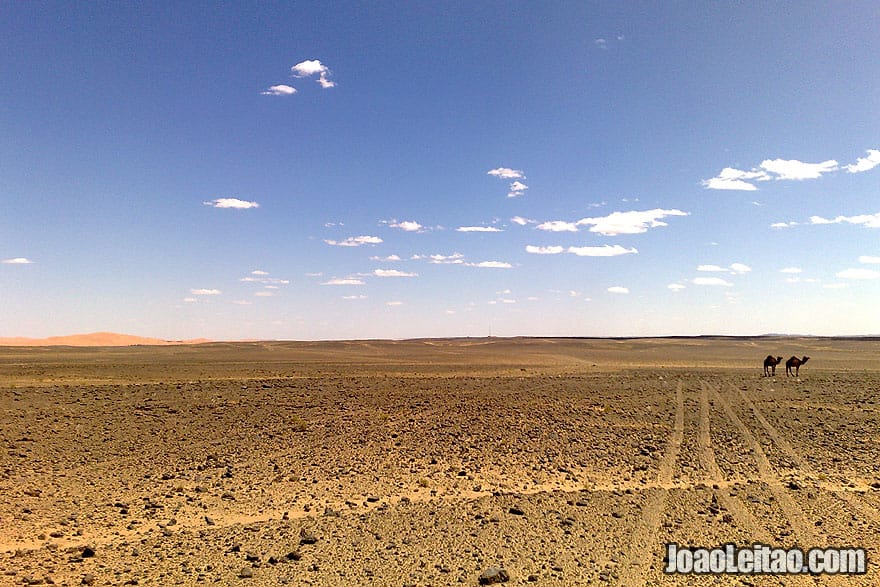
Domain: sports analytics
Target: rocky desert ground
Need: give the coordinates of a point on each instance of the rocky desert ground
(432, 462)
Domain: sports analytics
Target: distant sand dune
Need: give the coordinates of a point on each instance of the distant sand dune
(95, 339)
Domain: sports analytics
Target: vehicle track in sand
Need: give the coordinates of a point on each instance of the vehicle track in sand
(742, 516)
(642, 548)
(804, 531)
(845, 494)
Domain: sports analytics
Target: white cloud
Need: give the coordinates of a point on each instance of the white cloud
(791, 270)
(713, 281)
(344, 281)
(478, 229)
(190, 300)
(616, 289)
(558, 226)
(784, 169)
(555, 250)
(205, 292)
(867, 220)
(735, 179)
(633, 222)
(259, 272)
(491, 264)
(355, 241)
(798, 170)
(453, 259)
(865, 163)
(280, 90)
(506, 173)
(520, 220)
(676, 286)
(406, 225)
(735, 268)
(603, 251)
(392, 273)
(395, 303)
(359, 297)
(869, 259)
(264, 294)
(326, 83)
(783, 224)
(312, 67)
(234, 203)
(517, 189)
(17, 261)
(859, 274)
(265, 280)
(388, 258)
(242, 302)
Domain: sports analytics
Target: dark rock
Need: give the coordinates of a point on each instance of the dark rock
(494, 575)
(307, 537)
(516, 511)
(246, 573)
(88, 552)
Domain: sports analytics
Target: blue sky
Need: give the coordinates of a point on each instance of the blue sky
(393, 170)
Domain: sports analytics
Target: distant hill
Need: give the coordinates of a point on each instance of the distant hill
(95, 339)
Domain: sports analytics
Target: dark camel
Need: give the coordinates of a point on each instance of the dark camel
(770, 365)
(796, 363)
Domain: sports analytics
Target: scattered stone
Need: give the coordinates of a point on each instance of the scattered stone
(246, 573)
(209, 520)
(88, 579)
(494, 575)
(87, 552)
(307, 537)
(794, 485)
(516, 511)
(293, 555)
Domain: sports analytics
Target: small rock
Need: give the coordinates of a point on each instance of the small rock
(307, 537)
(88, 579)
(209, 520)
(246, 573)
(516, 511)
(494, 575)
(88, 552)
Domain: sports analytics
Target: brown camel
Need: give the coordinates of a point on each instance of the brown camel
(770, 365)
(796, 363)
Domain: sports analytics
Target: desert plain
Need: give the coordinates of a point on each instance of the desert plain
(432, 462)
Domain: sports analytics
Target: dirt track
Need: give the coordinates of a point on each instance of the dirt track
(428, 462)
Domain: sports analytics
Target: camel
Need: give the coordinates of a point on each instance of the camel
(770, 364)
(796, 363)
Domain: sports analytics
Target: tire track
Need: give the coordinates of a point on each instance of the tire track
(804, 531)
(742, 517)
(855, 503)
(643, 548)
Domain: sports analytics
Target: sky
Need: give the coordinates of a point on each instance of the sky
(351, 170)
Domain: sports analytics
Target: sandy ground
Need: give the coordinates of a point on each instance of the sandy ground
(564, 462)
